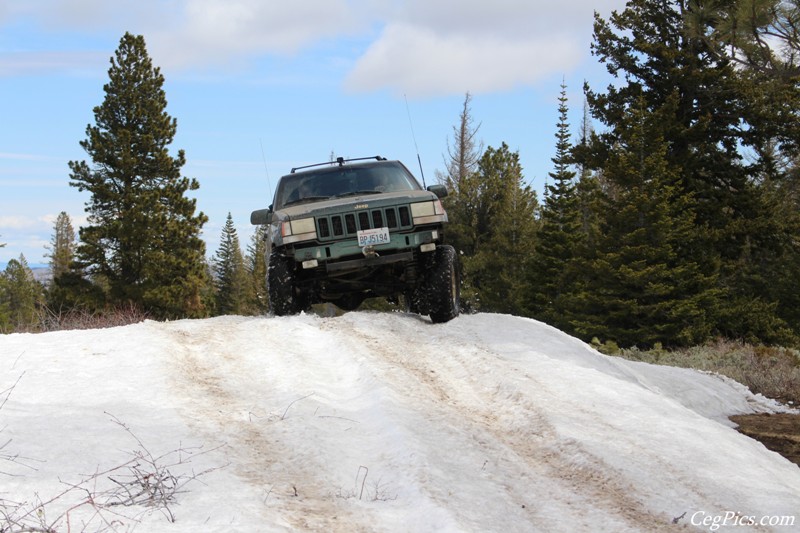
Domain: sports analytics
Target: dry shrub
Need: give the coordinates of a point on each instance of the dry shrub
(110, 500)
(73, 319)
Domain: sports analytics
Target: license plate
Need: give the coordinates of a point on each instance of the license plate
(372, 237)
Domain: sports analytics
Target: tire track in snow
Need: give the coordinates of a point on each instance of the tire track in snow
(210, 375)
(532, 440)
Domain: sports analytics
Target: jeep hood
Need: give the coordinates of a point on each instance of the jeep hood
(351, 203)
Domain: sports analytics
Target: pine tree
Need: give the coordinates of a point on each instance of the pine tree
(62, 256)
(785, 270)
(642, 287)
(560, 232)
(4, 315)
(461, 162)
(504, 234)
(464, 188)
(231, 280)
(143, 236)
(21, 296)
(589, 185)
(256, 267)
(763, 38)
(648, 44)
(69, 287)
(465, 152)
(62, 245)
(666, 54)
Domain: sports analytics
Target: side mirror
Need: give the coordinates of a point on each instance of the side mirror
(261, 217)
(439, 190)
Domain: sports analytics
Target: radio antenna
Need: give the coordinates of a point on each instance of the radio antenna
(264, 159)
(414, 137)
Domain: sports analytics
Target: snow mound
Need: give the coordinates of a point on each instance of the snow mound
(381, 422)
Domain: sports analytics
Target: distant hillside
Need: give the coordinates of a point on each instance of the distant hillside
(42, 274)
(40, 271)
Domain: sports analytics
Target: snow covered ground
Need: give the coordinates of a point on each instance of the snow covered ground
(374, 422)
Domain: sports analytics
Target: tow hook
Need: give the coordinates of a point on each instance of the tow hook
(369, 252)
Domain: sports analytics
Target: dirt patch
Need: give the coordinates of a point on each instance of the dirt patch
(778, 432)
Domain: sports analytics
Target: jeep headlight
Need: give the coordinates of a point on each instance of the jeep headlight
(302, 229)
(428, 212)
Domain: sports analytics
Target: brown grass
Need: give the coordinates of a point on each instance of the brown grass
(768, 370)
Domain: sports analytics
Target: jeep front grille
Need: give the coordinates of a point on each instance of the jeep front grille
(347, 225)
(363, 220)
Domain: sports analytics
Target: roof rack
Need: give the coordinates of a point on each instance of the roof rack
(339, 160)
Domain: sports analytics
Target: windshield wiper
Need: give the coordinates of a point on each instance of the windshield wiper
(306, 199)
(356, 193)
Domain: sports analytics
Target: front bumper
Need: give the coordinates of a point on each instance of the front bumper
(366, 262)
(347, 254)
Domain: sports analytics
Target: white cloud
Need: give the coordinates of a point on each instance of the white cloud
(183, 33)
(97, 15)
(30, 223)
(28, 62)
(433, 47)
(421, 62)
(221, 31)
(18, 222)
(515, 19)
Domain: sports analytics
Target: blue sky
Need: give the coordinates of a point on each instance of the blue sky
(260, 86)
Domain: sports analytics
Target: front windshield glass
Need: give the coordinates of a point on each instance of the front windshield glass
(313, 186)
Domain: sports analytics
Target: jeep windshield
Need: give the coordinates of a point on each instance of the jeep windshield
(340, 181)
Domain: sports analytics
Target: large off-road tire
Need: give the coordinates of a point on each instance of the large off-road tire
(443, 286)
(280, 285)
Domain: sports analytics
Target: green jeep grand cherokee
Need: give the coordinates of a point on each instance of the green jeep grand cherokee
(347, 230)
